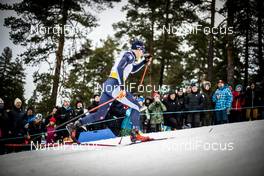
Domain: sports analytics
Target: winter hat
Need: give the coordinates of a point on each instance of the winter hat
(52, 119)
(17, 100)
(238, 86)
(205, 83)
(155, 94)
(1, 101)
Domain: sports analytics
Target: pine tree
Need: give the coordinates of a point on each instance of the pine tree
(12, 78)
(54, 22)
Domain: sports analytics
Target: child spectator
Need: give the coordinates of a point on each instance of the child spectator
(51, 134)
(156, 110)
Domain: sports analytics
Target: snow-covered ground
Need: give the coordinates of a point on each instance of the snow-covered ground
(230, 149)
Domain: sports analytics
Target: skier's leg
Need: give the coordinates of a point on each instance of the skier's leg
(130, 101)
(100, 113)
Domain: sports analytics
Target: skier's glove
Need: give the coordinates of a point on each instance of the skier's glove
(148, 58)
(121, 94)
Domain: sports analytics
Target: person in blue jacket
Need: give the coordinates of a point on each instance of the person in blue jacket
(114, 87)
(222, 98)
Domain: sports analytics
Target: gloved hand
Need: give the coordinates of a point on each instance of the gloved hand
(121, 94)
(148, 58)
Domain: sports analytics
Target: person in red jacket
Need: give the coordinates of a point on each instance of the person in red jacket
(237, 104)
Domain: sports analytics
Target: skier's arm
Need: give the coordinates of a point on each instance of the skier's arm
(120, 69)
(137, 67)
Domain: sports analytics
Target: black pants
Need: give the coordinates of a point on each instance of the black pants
(194, 119)
(155, 128)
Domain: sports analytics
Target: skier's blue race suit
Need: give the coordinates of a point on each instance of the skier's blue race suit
(122, 68)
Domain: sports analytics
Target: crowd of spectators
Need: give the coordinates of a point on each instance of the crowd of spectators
(190, 107)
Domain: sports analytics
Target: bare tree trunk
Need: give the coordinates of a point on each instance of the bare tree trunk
(260, 37)
(247, 47)
(230, 56)
(211, 45)
(59, 54)
(164, 52)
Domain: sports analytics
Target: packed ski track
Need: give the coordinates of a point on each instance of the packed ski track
(229, 149)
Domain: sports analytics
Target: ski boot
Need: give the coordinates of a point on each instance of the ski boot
(136, 136)
(72, 130)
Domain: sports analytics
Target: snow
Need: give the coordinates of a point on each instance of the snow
(229, 149)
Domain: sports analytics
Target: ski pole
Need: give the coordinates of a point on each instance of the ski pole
(125, 129)
(143, 76)
(93, 109)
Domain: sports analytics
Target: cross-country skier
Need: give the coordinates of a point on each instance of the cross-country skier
(114, 87)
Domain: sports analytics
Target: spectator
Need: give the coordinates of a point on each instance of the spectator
(194, 102)
(188, 90)
(144, 117)
(222, 98)
(66, 112)
(180, 107)
(54, 113)
(238, 102)
(156, 113)
(29, 116)
(170, 118)
(146, 124)
(16, 122)
(51, 127)
(251, 102)
(34, 130)
(126, 125)
(95, 102)
(79, 108)
(208, 104)
(3, 126)
(3, 120)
